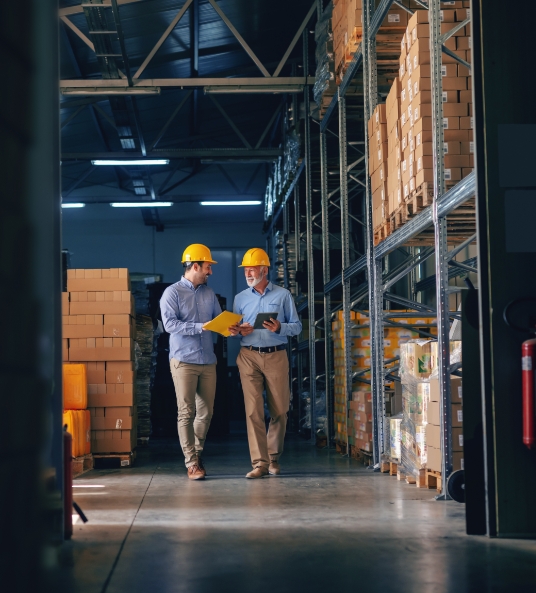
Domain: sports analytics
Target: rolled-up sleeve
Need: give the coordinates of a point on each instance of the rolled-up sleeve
(292, 325)
(170, 316)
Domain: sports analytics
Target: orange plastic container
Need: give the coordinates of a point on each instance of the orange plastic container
(70, 420)
(74, 386)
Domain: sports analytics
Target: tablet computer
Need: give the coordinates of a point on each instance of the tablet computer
(262, 317)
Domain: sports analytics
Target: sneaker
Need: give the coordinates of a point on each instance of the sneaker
(275, 468)
(196, 473)
(201, 465)
(257, 472)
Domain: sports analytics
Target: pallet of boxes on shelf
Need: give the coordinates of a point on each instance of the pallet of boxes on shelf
(409, 123)
(347, 24)
(353, 419)
(99, 329)
(420, 432)
(325, 83)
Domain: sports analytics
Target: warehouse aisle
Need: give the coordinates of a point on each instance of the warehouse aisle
(326, 524)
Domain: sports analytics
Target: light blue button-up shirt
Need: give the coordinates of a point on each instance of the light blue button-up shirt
(275, 299)
(184, 311)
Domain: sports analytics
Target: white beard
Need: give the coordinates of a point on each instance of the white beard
(252, 282)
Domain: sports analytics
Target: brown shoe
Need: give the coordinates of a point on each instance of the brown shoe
(196, 473)
(201, 465)
(275, 468)
(257, 472)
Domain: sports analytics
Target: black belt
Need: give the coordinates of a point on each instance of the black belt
(267, 349)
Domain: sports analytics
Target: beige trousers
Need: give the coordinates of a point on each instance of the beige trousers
(258, 372)
(195, 387)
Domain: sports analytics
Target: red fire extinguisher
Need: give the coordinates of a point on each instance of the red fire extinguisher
(523, 319)
(528, 366)
(67, 483)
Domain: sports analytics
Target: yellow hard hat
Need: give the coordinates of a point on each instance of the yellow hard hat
(197, 252)
(255, 257)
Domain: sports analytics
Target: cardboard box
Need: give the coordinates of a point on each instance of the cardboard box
(457, 460)
(100, 296)
(433, 436)
(113, 441)
(455, 109)
(457, 415)
(453, 174)
(103, 308)
(82, 331)
(65, 350)
(454, 83)
(119, 331)
(97, 284)
(457, 160)
(457, 439)
(451, 148)
(113, 418)
(100, 354)
(120, 377)
(424, 176)
(433, 460)
(397, 18)
(103, 400)
(362, 396)
(416, 357)
(456, 135)
(420, 53)
(433, 412)
(455, 388)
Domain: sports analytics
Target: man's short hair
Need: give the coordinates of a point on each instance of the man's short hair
(188, 264)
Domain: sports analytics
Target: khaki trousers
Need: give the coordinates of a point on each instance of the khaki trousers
(258, 372)
(195, 387)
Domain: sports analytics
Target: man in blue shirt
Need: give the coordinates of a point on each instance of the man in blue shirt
(263, 361)
(186, 306)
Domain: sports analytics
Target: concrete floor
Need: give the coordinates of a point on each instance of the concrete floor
(326, 524)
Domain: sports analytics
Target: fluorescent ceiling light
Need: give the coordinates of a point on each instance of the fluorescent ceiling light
(136, 162)
(140, 204)
(233, 203)
(73, 205)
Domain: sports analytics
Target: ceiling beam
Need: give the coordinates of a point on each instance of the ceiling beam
(281, 81)
(203, 153)
(69, 10)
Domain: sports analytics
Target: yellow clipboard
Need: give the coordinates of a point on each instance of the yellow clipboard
(221, 323)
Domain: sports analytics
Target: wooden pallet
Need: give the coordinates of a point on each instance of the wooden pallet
(382, 232)
(393, 468)
(114, 459)
(385, 467)
(82, 464)
(433, 480)
(461, 223)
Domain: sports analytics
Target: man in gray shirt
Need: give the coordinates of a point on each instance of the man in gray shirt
(186, 306)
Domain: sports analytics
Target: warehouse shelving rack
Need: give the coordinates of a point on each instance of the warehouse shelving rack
(373, 262)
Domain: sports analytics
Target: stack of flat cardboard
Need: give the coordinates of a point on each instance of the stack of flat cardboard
(99, 330)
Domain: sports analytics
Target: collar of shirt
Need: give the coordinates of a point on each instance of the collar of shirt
(268, 288)
(185, 282)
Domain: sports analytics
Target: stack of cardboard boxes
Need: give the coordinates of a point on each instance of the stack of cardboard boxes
(352, 419)
(416, 108)
(394, 133)
(433, 428)
(99, 330)
(420, 428)
(347, 24)
(377, 163)
(409, 113)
